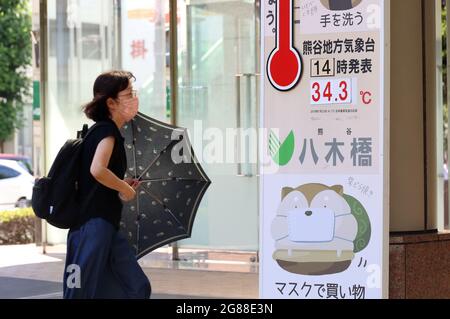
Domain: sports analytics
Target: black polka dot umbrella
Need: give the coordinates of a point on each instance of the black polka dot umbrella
(172, 184)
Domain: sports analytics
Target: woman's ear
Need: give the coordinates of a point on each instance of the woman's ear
(111, 104)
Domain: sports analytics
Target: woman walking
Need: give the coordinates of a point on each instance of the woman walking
(99, 261)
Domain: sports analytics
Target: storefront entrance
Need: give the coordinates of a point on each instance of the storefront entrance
(218, 63)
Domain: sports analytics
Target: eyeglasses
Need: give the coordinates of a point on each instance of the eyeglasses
(133, 94)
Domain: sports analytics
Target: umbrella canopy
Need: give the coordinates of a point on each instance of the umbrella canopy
(172, 184)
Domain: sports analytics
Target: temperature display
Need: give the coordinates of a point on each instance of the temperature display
(331, 91)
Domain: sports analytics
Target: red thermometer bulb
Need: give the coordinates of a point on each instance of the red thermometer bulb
(284, 66)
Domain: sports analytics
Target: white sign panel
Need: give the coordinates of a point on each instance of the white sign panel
(323, 199)
(138, 38)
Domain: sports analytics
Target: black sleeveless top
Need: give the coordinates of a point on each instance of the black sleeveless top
(99, 200)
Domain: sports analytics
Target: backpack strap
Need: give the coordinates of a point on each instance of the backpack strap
(82, 133)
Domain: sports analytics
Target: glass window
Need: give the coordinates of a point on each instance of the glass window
(26, 166)
(145, 44)
(81, 46)
(6, 172)
(77, 46)
(92, 48)
(218, 56)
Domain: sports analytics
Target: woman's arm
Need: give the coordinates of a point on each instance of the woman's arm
(99, 169)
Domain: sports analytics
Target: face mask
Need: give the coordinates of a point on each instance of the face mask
(129, 109)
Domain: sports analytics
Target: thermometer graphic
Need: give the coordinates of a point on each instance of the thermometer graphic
(284, 66)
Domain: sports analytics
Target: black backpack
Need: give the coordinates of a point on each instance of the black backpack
(55, 197)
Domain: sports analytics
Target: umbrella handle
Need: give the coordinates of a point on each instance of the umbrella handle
(133, 182)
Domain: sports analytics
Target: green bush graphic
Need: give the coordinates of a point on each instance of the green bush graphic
(364, 229)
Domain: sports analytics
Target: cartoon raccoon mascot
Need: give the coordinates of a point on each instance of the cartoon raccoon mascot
(318, 229)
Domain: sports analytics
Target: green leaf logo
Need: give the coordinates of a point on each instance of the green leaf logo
(281, 153)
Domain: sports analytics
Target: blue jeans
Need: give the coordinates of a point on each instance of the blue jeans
(101, 264)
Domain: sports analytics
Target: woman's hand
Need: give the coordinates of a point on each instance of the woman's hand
(127, 193)
(133, 182)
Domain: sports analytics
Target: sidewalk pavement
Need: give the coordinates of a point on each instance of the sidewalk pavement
(27, 273)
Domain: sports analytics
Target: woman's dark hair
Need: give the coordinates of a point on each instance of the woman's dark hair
(107, 85)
